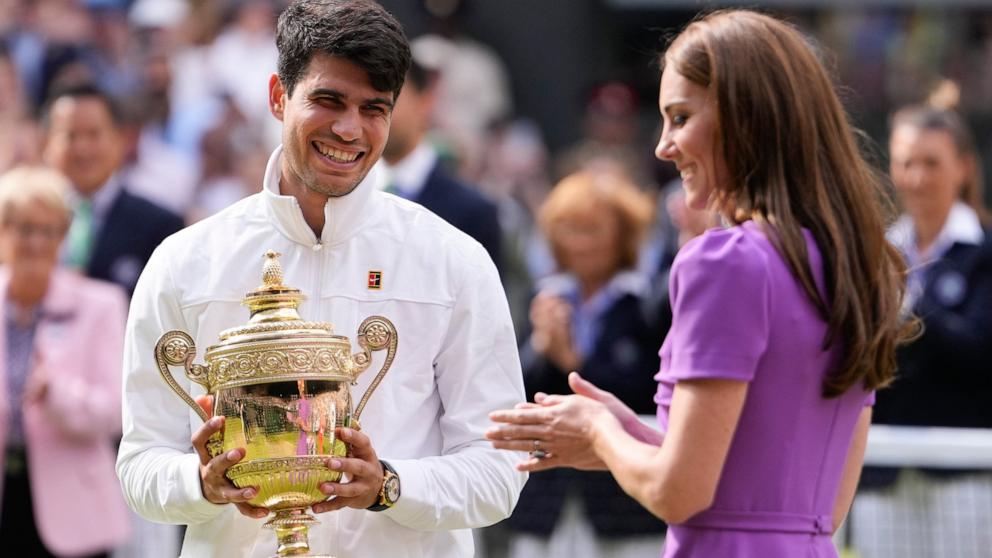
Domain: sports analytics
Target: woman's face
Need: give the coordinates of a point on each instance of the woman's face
(927, 170)
(588, 244)
(689, 137)
(30, 240)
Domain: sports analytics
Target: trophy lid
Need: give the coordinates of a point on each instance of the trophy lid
(277, 344)
(273, 306)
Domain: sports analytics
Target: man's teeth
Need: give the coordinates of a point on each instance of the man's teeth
(336, 154)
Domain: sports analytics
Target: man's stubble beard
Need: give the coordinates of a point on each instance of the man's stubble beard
(314, 186)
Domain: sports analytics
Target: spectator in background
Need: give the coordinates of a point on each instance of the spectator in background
(596, 317)
(152, 157)
(243, 57)
(231, 162)
(515, 177)
(62, 342)
(417, 175)
(943, 375)
(473, 89)
(18, 133)
(113, 232)
(610, 135)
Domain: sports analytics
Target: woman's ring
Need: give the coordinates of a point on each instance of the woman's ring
(537, 452)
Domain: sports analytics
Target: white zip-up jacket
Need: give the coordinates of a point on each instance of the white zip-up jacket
(456, 361)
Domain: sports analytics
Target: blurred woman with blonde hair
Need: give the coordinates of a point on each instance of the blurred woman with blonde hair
(784, 323)
(61, 345)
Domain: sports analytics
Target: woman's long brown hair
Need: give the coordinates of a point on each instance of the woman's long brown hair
(794, 162)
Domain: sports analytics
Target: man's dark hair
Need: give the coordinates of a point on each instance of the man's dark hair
(360, 31)
(80, 91)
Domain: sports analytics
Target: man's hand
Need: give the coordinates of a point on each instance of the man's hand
(363, 470)
(216, 487)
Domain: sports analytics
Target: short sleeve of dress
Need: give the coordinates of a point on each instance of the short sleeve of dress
(720, 295)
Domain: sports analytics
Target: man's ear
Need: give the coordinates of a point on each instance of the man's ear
(277, 97)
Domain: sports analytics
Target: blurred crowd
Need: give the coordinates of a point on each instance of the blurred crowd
(154, 114)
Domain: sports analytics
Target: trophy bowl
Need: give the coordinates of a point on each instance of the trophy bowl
(283, 385)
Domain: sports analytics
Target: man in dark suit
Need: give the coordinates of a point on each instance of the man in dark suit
(417, 175)
(113, 232)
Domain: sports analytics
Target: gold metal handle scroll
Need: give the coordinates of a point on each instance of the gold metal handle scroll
(176, 348)
(375, 333)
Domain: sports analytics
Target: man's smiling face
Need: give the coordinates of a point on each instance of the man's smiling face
(335, 125)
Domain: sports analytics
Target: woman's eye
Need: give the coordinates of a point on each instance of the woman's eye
(679, 119)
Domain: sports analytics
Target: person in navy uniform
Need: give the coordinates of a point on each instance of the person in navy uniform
(943, 376)
(417, 174)
(113, 232)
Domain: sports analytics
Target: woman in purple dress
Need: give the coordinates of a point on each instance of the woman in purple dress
(783, 326)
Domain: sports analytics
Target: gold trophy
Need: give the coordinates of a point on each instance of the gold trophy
(282, 386)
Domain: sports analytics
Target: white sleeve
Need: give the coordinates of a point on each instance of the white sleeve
(476, 371)
(158, 469)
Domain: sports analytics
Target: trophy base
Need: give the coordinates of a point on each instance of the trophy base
(291, 526)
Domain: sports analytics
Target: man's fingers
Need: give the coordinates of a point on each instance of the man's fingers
(330, 505)
(218, 488)
(201, 436)
(354, 467)
(235, 495)
(252, 511)
(219, 465)
(346, 490)
(359, 444)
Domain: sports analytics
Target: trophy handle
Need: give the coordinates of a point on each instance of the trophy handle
(176, 348)
(375, 333)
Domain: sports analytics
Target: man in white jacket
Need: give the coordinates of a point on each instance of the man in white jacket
(355, 251)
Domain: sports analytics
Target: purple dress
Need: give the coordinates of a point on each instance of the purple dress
(739, 314)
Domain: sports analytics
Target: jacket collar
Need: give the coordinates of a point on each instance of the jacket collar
(343, 216)
(961, 227)
(410, 176)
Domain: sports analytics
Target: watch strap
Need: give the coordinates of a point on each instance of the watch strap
(384, 503)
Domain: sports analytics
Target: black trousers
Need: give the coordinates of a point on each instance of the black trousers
(17, 527)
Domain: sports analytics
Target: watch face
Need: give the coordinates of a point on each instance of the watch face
(392, 489)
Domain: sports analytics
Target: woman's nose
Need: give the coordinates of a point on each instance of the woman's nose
(666, 148)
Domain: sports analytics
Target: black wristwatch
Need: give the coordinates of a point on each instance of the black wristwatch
(390, 491)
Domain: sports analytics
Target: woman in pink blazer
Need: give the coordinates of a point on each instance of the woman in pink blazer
(60, 366)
